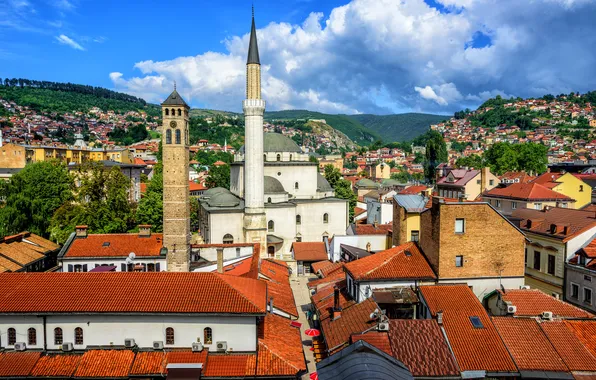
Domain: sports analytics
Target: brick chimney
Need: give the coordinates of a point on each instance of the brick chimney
(81, 231)
(336, 313)
(220, 260)
(484, 174)
(144, 230)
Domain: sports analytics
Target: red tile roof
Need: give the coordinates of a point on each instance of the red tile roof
(375, 338)
(585, 332)
(105, 363)
(589, 250)
(316, 267)
(354, 320)
(548, 179)
(334, 277)
(283, 297)
(309, 251)
(275, 271)
(238, 268)
(13, 364)
(120, 245)
(529, 347)
(416, 189)
(359, 211)
(421, 346)
(575, 355)
(474, 348)
(577, 221)
(157, 292)
(149, 363)
(401, 262)
(532, 302)
(527, 192)
(323, 299)
(280, 348)
(60, 365)
(371, 229)
(461, 176)
(236, 365)
(193, 186)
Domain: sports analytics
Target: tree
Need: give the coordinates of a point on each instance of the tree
(150, 210)
(332, 175)
(436, 153)
(219, 176)
(472, 161)
(32, 196)
(504, 157)
(342, 187)
(402, 176)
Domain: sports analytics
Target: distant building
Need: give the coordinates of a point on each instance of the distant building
(406, 217)
(580, 278)
(466, 184)
(27, 252)
(525, 195)
(569, 185)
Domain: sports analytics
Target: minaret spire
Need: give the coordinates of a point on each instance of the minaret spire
(253, 47)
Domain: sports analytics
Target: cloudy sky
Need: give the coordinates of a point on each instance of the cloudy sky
(362, 56)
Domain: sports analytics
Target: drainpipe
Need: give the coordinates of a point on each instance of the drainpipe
(45, 334)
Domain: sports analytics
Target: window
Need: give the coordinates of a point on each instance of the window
(12, 336)
(167, 112)
(150, 267)
(269, 200)
(574, 291)
(78, 336)
(460, 226)
(296, 186)
(228, 239)
(298, 219)
(169, 335)
(179, 112)
(264, 157)
(581, 188)
(237, 252)
(587, 278)
(169, 136)
(208, 335)
(57, 336)
(526, 258)
(588, 296)
(513, 205)
(491, 182)
(476, 322)
(459, 261)
(498, 203)
(271, 226)
(537, 206)
(31, 337)
(298, 239)
(173, 112)
(478, 182)
(415, 236)
(178, 139)
(279, 157)
(271, 251)
(551, 264)
(325, 218)
(564, 205)
(536, 260)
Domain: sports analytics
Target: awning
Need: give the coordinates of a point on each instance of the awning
(184, 371)
(104, 268)
(272, 239)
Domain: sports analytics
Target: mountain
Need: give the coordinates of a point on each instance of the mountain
(399, 127)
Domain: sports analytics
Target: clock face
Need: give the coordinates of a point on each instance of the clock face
(173, 124)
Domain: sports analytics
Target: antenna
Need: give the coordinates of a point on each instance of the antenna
(253, 10)
(174, 85)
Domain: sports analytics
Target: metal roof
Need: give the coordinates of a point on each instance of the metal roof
(174, 100)
(253, 47)
(411, 202)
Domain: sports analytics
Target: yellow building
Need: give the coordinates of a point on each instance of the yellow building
(569, 185)
(378, 171)
(335, 161)
(406, 217)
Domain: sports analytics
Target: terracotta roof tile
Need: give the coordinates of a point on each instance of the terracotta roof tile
(120, 245)
(283, 297)
(46, 244)
(416, 189)
(401, 262)
(376, 338)
(149, 363)
(541, 220)
(59, 365)
(529, 347)
(474, 348)
(280, 348)
(354, 320)
(320, 265)
(589, 250)
(13, 364)
(585, 331)
(527, 192)
(323, 299)
(7, 265)
(421, 346)
(105, 363)
(371, 229)
(157, 292)
(275, 271)
(532, 302)
(311, 251)
(575, 355)
(328, 270)
(186, 356)
(236, 365)
(331, 278)
(19, 252)
(239, 268)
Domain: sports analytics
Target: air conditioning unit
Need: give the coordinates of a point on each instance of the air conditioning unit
(158, 345)
(129, 343)
(198, 346)
(547, 315)
(383, 326)
(222, 346)
(20, 346)
(511, 309)
(66, 347)
(525, 287)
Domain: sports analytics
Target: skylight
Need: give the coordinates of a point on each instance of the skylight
(106, 244)
(476, 322)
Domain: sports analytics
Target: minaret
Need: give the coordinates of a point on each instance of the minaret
(255, 226)
(176, 205)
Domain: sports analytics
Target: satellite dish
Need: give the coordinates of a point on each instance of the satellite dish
(132, 255)
(372, 315)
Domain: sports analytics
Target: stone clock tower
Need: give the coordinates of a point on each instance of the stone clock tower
(176, 206)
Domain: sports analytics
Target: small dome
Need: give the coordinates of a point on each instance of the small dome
(214, 191)
(365, 182)
(276, 142)
(273, 186)
(322, 184)
(223, 200)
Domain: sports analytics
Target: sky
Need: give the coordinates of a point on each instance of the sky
(359, 56)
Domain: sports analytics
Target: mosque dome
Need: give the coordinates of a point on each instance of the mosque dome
(322, 184)
(276, 142)
(223, 200)
(273, 186)
(365, 182)
(214, 191)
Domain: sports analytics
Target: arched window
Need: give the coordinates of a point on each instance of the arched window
(296, 186)
(170, 335)
(31, 336)
(265, 157)
(169, 136)
(208, 335)
(167, 112)
(179, 112)
(173, 112)
(12, 336)
(279, 157)
(271, 226)
(298, 219)
(228, 239)
(271, 251)
(325, 218)
(290, 157)
(78, 336)
(269, 200)
(57, 336)
(178, 139)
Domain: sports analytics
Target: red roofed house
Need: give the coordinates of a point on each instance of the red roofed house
(468, 184)
(579, 272)
(525, 195)
(308, 253)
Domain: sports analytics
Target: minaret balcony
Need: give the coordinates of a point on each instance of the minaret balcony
(254, 105)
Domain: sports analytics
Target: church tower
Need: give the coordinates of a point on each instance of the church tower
(176, 206)
(255, 227)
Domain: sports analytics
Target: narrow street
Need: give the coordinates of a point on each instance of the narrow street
(302, 299)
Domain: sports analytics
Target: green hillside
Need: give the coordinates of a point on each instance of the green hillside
(400, 127)
(343, 123)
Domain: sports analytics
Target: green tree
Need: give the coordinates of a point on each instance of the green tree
(219, 176)
(332, 175)
(472, 161)
(32, 196)
(436, 153)
(150, 210)
(342, 187)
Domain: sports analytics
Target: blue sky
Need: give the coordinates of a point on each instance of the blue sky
(378, 56)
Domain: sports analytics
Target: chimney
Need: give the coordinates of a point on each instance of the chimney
(220, 260)
(336, 314)
(368, 247)
(144, 230)
(81, 231)
(484, 172)
(440, 318)
(375, 224)
(271, 305)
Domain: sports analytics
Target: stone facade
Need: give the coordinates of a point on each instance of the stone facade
(12, 156)
(176, 206)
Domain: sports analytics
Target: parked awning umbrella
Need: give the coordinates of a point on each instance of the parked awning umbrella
(312, 332)
(314, 376)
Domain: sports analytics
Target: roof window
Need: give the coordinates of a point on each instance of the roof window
(106, 244)
(476, 322)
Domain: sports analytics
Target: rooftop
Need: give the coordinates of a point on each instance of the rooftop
(527, 192)
(309, 251)
(354, 320)
(115, 245)
(542, 221)
(532, 302)
(371, 229)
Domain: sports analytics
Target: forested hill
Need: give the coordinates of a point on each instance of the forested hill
(399, 127)
(61, 98)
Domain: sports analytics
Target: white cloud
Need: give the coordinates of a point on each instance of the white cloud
(65, 40)
(393, 56)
